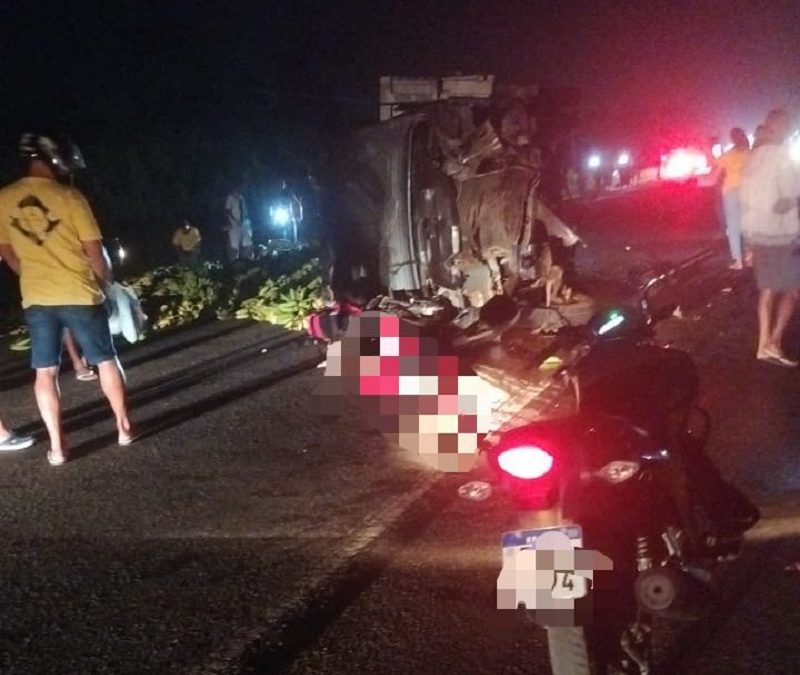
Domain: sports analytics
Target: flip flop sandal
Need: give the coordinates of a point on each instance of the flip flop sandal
(777, 360)
(88, 376)
(785, 361)
(126, 440)
(781, 357)
(13, 442)
(55, 461)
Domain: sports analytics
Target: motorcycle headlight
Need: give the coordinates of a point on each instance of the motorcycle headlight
(281, 216)
(618, 471)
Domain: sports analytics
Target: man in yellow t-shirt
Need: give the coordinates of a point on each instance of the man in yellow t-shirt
(186, 241)
(730, 165)
(50, 238)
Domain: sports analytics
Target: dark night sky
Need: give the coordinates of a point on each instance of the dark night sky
(691, 66)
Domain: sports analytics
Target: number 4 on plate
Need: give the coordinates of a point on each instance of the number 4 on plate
(568, 585)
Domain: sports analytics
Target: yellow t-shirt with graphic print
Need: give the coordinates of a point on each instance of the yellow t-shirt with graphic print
(45, 223)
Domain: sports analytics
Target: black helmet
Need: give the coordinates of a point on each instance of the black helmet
(58, 151)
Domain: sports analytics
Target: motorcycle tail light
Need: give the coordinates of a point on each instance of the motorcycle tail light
(618, 471)
(527, 462)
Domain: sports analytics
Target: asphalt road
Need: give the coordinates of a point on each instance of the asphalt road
(175, 552)
(242, 533)
(432, 610)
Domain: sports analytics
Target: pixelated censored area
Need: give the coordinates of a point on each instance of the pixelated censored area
(552, 579)
(419, 398)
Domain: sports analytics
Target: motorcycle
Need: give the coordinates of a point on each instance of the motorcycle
(622, 473)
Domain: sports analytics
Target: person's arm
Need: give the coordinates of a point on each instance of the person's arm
(10, 258)
(717, 174)
(232, 220)
(94, 252)
(299, 209)
(90, 237)
(788, 186)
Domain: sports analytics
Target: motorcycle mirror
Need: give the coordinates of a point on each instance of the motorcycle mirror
(475, 491)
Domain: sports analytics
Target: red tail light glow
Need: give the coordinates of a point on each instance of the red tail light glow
(527, 462)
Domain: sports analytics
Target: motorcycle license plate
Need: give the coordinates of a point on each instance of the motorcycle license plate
(527, 538)
(525, 570)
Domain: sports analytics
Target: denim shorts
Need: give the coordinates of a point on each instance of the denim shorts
(87, 323)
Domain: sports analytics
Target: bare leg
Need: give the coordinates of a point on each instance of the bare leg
(3, 430)
(48, 398)
(113, 385)
(786, 306)
(72, 349)
(766, 301)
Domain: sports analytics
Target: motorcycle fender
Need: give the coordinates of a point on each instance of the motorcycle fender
(538, 520)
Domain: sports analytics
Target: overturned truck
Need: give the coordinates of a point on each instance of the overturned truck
(438, 213)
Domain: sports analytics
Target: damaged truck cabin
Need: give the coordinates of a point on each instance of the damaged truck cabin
(438, 209)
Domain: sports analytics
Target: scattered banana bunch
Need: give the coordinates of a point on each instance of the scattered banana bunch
(288, 300)
(21, 341)
(182, 295)
(296, 306)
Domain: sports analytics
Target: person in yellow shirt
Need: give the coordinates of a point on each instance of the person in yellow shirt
(729, 166)
(186, 241)
(50, 238)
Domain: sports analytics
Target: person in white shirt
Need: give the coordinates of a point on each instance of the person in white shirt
(770, 189)
(238, 225)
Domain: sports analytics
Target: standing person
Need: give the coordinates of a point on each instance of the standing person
(50, 238)
(730, 165)
(770, 189)
(760, 136)
(186, 241)
(238, 225)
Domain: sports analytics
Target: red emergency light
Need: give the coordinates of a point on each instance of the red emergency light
(684, 163)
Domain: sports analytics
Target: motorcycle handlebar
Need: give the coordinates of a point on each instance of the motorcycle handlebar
(669, 273)
(696, 259)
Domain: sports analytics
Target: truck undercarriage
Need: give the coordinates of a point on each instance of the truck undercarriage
(439, 218)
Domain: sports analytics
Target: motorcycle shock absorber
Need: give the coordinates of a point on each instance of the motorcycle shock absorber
(644, 560)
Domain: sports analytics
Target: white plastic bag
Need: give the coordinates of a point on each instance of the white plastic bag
(125, 317)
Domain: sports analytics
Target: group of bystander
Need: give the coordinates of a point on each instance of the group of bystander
(760, 193)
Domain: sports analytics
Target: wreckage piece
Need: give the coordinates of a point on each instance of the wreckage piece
(498, 213)
(473, 141)
(408, 229)
(483, 153)
(556, 228)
